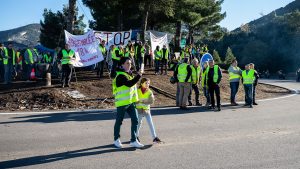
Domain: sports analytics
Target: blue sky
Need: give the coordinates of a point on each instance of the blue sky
(16, 13)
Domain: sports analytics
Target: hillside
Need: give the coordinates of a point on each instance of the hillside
(22, 36)
(271, 42)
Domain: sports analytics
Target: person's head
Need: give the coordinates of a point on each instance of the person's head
(247, 67)
(145, 83)
(125, 63)
(185, 60)
(234, 62)
(165, 47)
(195, 62)
(103, 42)
(205, 65)
(140, 43)
(157, 47)
(211, 63)
(251, 65)
(129, 42)
(1, 45)
(67, 46)
(10, 45)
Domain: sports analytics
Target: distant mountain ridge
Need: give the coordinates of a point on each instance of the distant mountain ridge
(22, 36)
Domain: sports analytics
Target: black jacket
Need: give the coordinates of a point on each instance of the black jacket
(123, 80)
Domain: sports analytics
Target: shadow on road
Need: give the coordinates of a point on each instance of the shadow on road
(42, 159)
(100, 115)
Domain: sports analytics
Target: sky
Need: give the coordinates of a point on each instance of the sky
(16, 13)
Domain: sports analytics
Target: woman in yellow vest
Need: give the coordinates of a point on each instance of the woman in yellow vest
(66, 55)
(126, 96)
(146, 98)
(248, 80)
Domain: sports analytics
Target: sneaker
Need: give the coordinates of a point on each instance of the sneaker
(255, 103)
(136, 144)
(234, 104)
(211, 107)
(156, 140)
(138, 139)
(118, 143)
(190, 103)
(198, 104)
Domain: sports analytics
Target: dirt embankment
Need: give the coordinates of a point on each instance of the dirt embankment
(32, 96)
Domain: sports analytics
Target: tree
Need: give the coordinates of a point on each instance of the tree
(54, 24)
(216, 57)
(229, 56)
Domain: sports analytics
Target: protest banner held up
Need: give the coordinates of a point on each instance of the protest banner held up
(86, 48)
(158, 41)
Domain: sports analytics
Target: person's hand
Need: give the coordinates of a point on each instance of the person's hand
(140, 73)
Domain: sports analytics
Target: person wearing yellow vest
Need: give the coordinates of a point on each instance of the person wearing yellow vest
(195, 82)
(248, 80)
(157, 59)
(8, 61)
(100, 65)
(235, 74)
(66, 55)
(165, 59)
(1, 62)
(139, 55)
(204, 83)
(256, 75)
(183, 74)
(30, 57)
(146, 98)
(116, 55)
(126, 96)
(147, 58)
(214, 77)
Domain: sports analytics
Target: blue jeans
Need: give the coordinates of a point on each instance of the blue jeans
(248, 93)
(132, 112)
(234, 87)
(8, 69)
(157, 64)
(206, 94)
(150, 124)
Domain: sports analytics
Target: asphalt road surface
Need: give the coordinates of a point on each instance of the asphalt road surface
(267, 136)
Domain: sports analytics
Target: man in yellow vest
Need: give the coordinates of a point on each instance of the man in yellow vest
(100, 65)
(116, 55)
(256, 75)
(195, 82)
(183, 74)
(165, 59)
(157, 59)
(126, 96)
(139, 55)
(8, 61)
(67, 56)
(214, 77)
(1, 62)
(30, 57)
(248, 80)
(235, 74)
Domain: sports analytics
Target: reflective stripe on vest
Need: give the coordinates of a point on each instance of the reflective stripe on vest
(195, 74)
(182, 72)
(142, 97)
(248, 78)
(30, 57)
(216, 73)
(234, 75)
(66, 59)
(124, 95)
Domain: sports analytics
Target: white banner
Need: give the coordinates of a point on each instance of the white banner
(113, 38)
(158, 41)
(86, 48)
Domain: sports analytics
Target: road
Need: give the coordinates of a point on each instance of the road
(267, 136)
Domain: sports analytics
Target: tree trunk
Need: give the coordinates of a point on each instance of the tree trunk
(178, 36)
(71, 15)
(145, 23)
(191, 36)
(120, 20)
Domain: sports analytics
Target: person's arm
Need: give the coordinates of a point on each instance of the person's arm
(220, 76)
(122, 80)
(150, 100)
(189, 73)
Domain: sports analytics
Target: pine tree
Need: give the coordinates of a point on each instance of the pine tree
(216, 57)
(229, 56)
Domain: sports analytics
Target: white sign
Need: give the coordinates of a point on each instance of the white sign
(113, 38)
(158, 41)
(86, 48)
